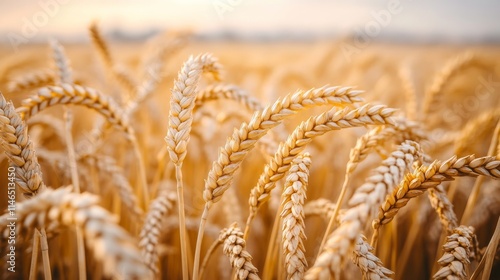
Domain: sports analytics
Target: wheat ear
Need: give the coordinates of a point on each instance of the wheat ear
(234, 248)
(425, 177)
(319, 207)
(370, 265)
(243, 140)
(228, 91)
(32, 80)
(150, 232)
(362, 206)
(302, 135)
(88, 97)
(77, 95)
(292, 214)
(444, 208)
(110, 244)
(179, 127)
(19, 150)
(457, 252)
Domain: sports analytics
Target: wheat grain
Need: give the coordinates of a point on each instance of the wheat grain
(457, 252)
(110, 244)
(292, 214)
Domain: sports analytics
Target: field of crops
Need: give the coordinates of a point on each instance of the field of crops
(178, 158)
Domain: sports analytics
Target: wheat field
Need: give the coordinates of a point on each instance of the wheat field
(178, 158)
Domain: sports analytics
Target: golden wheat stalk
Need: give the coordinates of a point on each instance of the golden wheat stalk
(361, 207)
(110, 244)
(179, 128)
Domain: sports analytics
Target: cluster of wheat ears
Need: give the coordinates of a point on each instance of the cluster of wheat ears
(115, 203)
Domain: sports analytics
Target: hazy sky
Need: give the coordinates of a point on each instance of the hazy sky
(463, 20)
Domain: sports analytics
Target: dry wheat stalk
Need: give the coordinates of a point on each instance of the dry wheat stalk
(425, 177)
(457, 252)
(179, 128)
(32, 80)
(292, 215)
(19, 149)
(362, 206)
(234, 248)
(303, 134)
(228, 91)
(244, 139)
(152, 228)
(370, 265)
(110, 244)
(77, 95)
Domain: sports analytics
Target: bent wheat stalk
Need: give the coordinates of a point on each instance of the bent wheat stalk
(362, 206)
(91, 98)
(110, 244)
(243, 140)
(303, 135)
(425, 177)
(179, 128)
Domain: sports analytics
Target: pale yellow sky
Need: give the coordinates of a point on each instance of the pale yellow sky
(457, 20)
